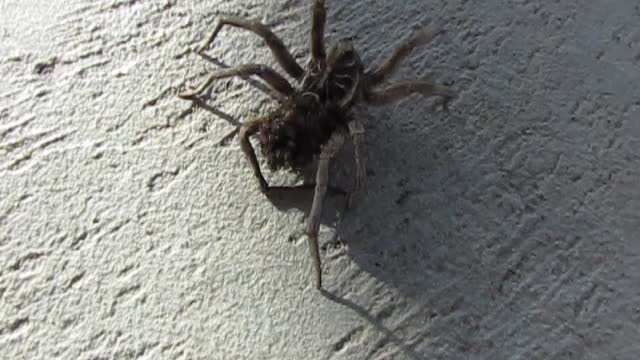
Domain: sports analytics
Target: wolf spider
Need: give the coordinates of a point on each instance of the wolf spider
(313, 118)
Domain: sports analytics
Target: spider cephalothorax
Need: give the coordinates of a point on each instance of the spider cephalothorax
(313, 118)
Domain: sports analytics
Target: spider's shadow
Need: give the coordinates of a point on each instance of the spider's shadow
(408, 215)
(221, 114)
(377, 323)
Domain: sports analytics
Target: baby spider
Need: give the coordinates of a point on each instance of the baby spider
(313, 118)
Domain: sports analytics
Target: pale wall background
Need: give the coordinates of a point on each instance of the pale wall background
(132, 228)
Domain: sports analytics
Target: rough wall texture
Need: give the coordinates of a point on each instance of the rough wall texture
(132, 228)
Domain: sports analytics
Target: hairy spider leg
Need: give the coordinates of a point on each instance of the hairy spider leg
(272, 78)
(251, 128)
(319, 18)
(329, 150)
(246, 131)
(402, 89)
(279, 50)
(392, 63)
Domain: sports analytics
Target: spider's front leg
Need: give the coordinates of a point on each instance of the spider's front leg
(329, 150)
(278, 49)
(277, 82)
(402, 89)
(392, 63)
(357, 132)
(318, 20)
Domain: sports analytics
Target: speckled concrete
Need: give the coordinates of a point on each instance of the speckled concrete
(131, 226)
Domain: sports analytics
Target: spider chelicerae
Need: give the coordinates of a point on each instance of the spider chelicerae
(313, 118)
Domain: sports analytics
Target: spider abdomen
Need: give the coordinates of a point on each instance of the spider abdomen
(294, 133)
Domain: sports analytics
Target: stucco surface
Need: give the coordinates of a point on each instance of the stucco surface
(131, 226)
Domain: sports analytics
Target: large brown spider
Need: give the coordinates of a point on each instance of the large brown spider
(314, 118)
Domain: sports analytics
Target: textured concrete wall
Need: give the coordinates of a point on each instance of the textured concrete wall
(132, 228)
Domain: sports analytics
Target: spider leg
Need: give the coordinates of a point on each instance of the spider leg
(333, 190)
(246, 131)
(322, 177)
(277, 82)
(279, 50)
(398, 91)
(319, 18)
(391, 64)
(250, 129)
(357, 132)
